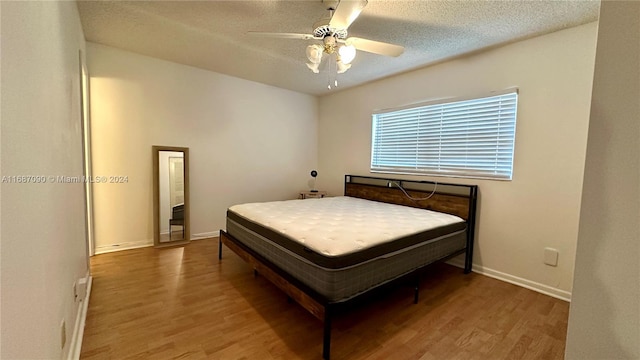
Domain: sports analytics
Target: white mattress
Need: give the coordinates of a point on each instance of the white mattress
(335, 226)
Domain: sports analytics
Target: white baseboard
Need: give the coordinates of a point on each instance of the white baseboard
(124, 246)
(205, 235)
(147, 243)
(78, 330)
(528, 284)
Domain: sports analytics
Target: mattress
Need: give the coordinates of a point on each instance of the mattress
(342, 246)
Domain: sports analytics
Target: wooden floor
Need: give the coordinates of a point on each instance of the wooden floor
(182, 303)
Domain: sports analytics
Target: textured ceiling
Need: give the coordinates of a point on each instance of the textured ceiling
(213, 34)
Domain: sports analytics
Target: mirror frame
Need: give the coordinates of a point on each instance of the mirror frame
(156, 197)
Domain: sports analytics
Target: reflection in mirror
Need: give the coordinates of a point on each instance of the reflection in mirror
(171, 206)
(171, 195)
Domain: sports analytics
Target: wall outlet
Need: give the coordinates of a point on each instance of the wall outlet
(551, 256)
(80, 289)
(63, 334)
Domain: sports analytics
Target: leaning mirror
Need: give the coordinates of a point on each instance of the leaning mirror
(170, 195)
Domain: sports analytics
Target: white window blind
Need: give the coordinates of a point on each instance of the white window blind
(470, 138)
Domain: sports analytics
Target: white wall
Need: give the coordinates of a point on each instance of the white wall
(43, 226)
(247, 141)
(518, 218)
(604, 319)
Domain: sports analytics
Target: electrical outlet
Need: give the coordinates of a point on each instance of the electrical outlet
(80, 289)
(551, 256)
(63, 334)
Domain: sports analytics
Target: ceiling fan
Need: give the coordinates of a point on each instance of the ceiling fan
(332, 31)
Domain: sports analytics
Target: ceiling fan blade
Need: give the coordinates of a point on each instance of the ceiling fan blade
(283, 35)
(346, 12)
(375, 47)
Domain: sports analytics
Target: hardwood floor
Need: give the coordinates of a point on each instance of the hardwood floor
(182, 303)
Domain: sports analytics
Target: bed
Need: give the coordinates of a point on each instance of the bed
(325, 253)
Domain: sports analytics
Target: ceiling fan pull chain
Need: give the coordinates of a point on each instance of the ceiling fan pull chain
(335, 65)
(331, 70)
(329, 75)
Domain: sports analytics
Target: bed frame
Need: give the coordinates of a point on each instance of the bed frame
(453, 199)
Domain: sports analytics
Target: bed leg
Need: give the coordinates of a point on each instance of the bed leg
(468, 262)
(219, 248)
(326, 340)
(468, 256)
(416, 289)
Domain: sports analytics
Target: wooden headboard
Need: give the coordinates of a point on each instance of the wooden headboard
(455, 199)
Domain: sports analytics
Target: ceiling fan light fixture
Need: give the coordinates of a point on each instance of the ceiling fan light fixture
(342, 67)
(347, 53)
(313, 67)
(314, 53)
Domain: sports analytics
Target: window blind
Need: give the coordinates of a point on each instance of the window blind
(470, 138)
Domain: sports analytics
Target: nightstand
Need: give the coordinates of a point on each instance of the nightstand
(312, 194)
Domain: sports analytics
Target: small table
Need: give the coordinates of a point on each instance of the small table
(312, 194)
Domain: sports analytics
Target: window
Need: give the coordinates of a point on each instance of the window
(470, 138)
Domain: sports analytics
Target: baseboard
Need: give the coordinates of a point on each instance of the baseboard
(78, 330)
(528, 284)
(124, 246)
(147, 243)
(206, 235)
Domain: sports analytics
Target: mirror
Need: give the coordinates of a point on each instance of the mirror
(170, 196)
